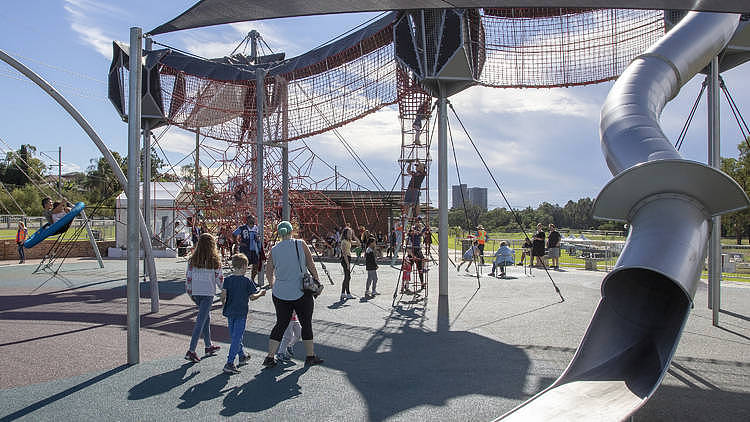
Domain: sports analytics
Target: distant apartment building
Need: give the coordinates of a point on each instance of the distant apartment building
(478, 197)
(457, 195)
(474, 196)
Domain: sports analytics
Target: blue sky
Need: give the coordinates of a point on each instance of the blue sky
(542, 145)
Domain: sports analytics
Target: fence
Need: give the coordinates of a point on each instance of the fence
(102, 229)
(602, 255)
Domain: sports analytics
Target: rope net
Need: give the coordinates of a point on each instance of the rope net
(356, 76)
(544, 48)
(524, 48)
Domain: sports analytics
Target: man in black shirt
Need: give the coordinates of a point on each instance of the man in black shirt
(553, 246)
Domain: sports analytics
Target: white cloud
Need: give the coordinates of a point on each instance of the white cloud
(83, 14)
(561, 101)
(70, 167)
(178, 141)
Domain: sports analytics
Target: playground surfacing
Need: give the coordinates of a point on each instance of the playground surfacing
(63, 351)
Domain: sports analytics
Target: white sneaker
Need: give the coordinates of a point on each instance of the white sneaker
(375, 293)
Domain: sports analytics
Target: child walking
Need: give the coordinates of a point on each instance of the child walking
(237, 290)
(469, 256)
(292, 335)
(372, 268)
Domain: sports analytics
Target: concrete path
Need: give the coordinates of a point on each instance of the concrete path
(63, 352)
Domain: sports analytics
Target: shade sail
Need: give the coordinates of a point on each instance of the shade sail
(214, 12)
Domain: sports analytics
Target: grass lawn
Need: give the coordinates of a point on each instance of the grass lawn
(108, 233)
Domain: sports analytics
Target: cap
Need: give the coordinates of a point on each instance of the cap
(284, 228)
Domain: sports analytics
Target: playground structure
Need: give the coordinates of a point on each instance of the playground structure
(636, 152)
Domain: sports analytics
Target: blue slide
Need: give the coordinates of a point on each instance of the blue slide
(52, 229)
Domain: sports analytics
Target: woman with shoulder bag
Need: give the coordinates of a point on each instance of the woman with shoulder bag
(285, 270)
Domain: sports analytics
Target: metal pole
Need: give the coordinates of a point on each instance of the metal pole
(94, 246)
(285, 211)
(285, 182)
(197, 169)
(134, 132)
(59, 171)
(714, 160)
(147, 197)
(443, 195)
(260, 99)
(336, 177)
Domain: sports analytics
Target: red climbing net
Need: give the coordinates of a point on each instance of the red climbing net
(524, 47)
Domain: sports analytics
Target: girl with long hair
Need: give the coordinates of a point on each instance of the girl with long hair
(202, 277)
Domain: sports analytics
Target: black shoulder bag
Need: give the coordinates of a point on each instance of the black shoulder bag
(309, 284)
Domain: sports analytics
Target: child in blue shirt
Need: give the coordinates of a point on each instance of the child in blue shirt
(235, 294)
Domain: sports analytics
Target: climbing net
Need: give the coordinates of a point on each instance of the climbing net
(529, 47)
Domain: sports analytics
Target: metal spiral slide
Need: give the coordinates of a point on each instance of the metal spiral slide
(668, 201)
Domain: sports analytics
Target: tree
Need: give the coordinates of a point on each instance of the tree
(738, 169)
(101, 182)
(21, 167)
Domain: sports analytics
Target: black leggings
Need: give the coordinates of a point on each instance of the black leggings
(304, 308)
(347, 276)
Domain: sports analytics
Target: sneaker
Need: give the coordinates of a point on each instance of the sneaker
(343, 297)
(269, 362)
(313, 360)
(243, 360)
(282, 357)
(211, 350)
(230, 369)
(290, 351)
(367, 294)
(192, 357)
(375, 293)
(350, 296)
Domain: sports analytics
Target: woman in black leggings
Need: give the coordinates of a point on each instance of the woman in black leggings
(285, 277)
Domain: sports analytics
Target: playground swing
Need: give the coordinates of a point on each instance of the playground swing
(58, 227)
(61, 248)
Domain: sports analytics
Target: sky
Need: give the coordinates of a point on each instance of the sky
(540, 144)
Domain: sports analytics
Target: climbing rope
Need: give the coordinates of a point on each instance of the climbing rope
(515, 214)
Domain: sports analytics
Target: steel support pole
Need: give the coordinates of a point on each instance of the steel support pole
(134, 132)
(714, 160)
(285, 211)
(197, 165)
(147, 194)
(260, 100)
(285, 182)
(443, 195)
(59, 171)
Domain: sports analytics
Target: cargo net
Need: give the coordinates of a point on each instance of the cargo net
(545, 47)
(299, 104)
(524, 48)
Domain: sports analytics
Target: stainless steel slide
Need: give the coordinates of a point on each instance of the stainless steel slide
(668, 202)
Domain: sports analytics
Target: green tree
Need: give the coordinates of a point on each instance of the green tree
(21, 167)
(739, 169)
